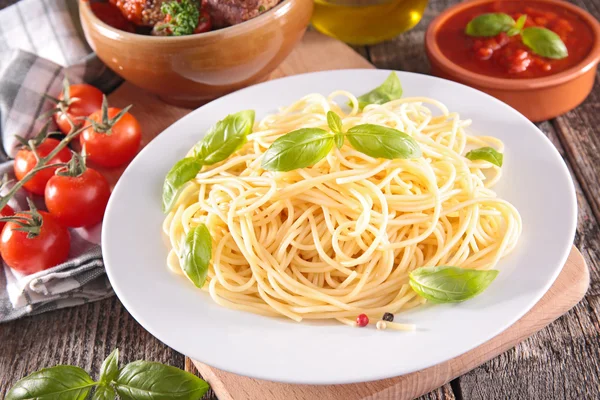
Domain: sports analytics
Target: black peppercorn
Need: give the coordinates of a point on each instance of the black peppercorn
(389, 317)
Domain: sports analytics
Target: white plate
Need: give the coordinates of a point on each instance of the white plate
(535, 179)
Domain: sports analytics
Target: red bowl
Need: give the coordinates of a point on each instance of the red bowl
(539, 98)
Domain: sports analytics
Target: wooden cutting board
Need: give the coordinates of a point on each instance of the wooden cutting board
(316, 53)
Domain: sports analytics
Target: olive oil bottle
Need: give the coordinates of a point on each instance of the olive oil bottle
(363, 22)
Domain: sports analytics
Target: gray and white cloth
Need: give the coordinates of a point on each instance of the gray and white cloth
(40, 42)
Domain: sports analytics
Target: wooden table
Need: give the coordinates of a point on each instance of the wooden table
(561, 361)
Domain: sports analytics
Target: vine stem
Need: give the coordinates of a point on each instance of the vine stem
(41, 164)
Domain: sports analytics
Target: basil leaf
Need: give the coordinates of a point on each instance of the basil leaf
(518, 27)
(383, 142)
(225, 137)
(490, 24)
(544, 42)
(390, 89)
(154, 381)
(104, 392)
(486, 154)
(339, 140)
(196, 253)
(63, 382)
(450, 284)
(335, 122)
(182, 172)
(110, 367)
(298, 149)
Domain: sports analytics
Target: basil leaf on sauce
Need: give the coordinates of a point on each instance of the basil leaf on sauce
(225, 137)
(141, 380)
(196, 253)
(60, 382)
(390, 89)
(298, 149)
(486, 154)
(383, 142)
(450, 284)
(182, 172)
(518, 27)
(110, 367)
(544, 42)
(490, 24)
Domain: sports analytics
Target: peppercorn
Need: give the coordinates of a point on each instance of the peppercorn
(381, 325)
(389, 317)
(362, 320)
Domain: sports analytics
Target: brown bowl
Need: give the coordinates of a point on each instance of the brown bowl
(191, 70)
(538, 99)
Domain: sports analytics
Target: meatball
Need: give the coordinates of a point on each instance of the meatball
(141, 12)
(231, 12)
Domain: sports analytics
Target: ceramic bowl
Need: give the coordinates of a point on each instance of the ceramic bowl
(191, 70)
(539, 98)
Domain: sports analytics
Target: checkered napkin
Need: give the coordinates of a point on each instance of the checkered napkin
(40, 42)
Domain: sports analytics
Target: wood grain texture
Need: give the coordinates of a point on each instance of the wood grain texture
(561, 361)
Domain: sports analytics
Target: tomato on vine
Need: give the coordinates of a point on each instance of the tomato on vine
(26, 161)
(77, 196)
(74, 103)
(113, 137)
(33, 241)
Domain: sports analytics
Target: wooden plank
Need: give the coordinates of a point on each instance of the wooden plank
(578, 131)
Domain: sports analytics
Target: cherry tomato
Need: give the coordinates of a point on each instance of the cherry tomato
(46, 250)
(7, 211)
(78, 200)
(25, 161)
(116, 148)
(84, 100)
(204, 24)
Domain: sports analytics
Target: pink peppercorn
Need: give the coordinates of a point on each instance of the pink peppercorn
(362, 320)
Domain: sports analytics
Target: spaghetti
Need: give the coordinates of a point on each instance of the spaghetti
(340, 238)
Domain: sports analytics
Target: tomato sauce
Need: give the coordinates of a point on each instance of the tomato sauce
(502, 56)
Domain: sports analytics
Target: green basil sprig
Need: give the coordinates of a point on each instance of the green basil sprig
(544, 42)
(383, 142)
(153, 381)
(486, 154)
(140, 380)
(541, 41)
(221, 141)
(518, 27)
(60, 382)
(305, 147)
(335, 124)
(490, 24)
(225, 137)
(298, 149)
(182, 172)
(450, 284)
(196, 253)
(104, 393)
(390, 89)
